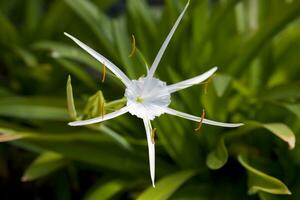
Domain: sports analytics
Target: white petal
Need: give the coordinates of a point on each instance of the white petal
(102, 59)
(101, 118)
(197, 119)
(190, 82)
(166, 42)
(151, 150)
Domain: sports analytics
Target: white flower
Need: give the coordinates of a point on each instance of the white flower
(149, 97)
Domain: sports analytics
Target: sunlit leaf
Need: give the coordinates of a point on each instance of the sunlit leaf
(23, 108)
(106, 191)
(259, 181)
(167, 186)
(218, 157)
(221, 83)
(283, 132)
(280, 130)
(8, 135)
(43, 165)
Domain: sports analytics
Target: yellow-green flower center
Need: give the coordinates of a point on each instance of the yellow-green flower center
(139, 99)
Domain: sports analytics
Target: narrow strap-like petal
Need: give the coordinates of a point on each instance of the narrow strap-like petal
(165, 44)
(197, 119)
(102, 60)
(190, 82)
(151, 150)
(101, 118)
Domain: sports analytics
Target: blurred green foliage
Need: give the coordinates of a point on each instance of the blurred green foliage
(255, 43)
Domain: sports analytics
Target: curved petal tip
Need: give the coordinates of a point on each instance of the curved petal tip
(73, 124)
(239, 124)
(67, 34)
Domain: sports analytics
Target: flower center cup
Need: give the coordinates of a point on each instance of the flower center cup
(147, 97)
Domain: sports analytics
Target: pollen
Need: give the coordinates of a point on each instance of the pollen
(139, 99)
(103, 72)
(153, 136)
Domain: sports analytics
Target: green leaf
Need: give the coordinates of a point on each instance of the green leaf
(279, 129)
(97, 21)
(282, 92)
(268, 30)
(38, 108)
(219, 156)
(9, 33)
(78, 72)
(167, 186)
(266, 196)
(294, 108)
(32, 15)
(50, 23)
(8, 135)
(141, 14)
(221, 83)
(106, 191)
(261, 182)
(283, 132)
(122, 41)
(70, 100)
(43, 165)
(105, 4)
(61, 50)
(28, 58)
(142, 25)
(182, 145)
(117, 137)
(97, 150)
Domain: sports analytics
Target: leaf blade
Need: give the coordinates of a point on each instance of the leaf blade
(261, 182)
(43, 165)
(167, 186)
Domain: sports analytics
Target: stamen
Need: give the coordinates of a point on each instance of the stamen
(133, 46)
(207, 82)
(103, 72)
(206, 85)
(153, 136)
(201, 120)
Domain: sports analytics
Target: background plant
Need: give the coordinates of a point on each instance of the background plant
(254, 43)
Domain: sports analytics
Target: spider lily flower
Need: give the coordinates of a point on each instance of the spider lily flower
(149, 97)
